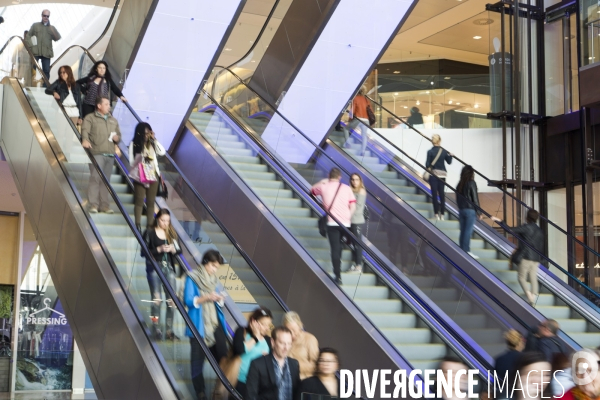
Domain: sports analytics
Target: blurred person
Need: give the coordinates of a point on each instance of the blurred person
(275, 376)
(587, 384)
(358, 114)
(547, 342)
(99, 133)
(98, 82)
(533, 377)
(252, 342)
(437, 157)
(358, 219)
(504, 365)
(145, 147)
(562, 378)
(39, 39)
(305, 346)
(416, 118)
(468, 205)
(162, 243)
(324, 382)
(68, 93)
(452, 365)
(339, 201)
(203, 300)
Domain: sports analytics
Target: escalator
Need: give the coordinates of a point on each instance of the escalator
(386, 164)
(218, 145)
(574, 309)
(97, 261)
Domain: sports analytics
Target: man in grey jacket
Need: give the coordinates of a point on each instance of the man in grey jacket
(99, 133)
(39, 39)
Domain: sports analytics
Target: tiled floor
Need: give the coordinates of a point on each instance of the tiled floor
(48, 396)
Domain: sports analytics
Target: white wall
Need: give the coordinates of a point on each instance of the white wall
(343, 54)
(482, 148)
(557, 245)
(175, 53)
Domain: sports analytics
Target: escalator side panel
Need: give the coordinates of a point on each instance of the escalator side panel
(297, 278)
(479, 274)
(114, 347)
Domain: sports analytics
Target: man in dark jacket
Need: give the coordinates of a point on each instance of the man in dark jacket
(275, 376)
(527, 258)
(547, 341)
(39, 40)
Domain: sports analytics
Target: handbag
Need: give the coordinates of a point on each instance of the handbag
(323, 219)
(147, 173)
(162, 191)
(371, 115)
(427, 174)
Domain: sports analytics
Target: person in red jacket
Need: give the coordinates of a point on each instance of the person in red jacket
(586, 376)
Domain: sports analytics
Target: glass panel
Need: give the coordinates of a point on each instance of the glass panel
(114, 232)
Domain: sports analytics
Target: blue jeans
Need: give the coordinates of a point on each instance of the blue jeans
(156, 290)
(466, 218)
(45, 65)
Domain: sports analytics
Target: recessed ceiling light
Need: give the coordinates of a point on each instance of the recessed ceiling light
(450, 102)
(476, 106)
(476, 37)
(395, 94)
(446, 77)
(427, 92)
(405, 106)
(418, 102)
(432, 83)
(396, 72)
(253, 61)
(458, 104)
(228, 49)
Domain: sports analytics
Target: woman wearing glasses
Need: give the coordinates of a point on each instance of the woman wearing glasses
(324, 383)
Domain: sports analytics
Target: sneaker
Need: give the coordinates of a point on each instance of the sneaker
(437, 217)
(338, 281)
(107, 211)
(355, 270)
(475, 256)
(441, 217)
(93, 210)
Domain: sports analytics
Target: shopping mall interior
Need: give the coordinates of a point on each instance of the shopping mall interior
(171, 198)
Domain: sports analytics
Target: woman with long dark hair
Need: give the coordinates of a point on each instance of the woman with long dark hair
(468, 205)
(162, 243)
(252, 342)
(97, 83)
(202, 298)
(68, 92)
(145, 147)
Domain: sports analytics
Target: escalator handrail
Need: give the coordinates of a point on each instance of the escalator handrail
(236, 245)
(138, 236)
(104, 32)
(502, 225)
(390, 271)
(489, 181)
(230, 237)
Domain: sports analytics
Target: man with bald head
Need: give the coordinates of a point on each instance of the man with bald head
(39, 40)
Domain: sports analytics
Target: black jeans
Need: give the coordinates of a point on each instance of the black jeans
(437, 188)
(334, 233)
(218, 350)
(45, 65)
(357, 254)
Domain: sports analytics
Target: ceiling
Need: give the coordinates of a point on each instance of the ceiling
(445, 29)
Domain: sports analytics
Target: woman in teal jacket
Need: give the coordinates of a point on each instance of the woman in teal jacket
(203, 302)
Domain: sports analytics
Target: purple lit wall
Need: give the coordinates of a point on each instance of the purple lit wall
(352, 41)
(174, 56)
